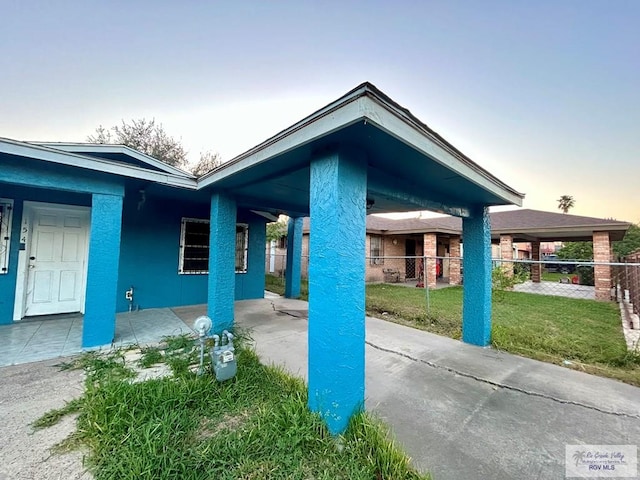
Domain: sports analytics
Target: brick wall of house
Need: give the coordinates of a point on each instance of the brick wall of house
(602, 273)
(536, 268)
(506, 253)
(430, 251)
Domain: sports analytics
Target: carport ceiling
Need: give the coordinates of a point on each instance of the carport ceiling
(409, 166)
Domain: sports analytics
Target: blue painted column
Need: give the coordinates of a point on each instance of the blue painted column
(251, 283)
(336, 287)
(99, 324)
(476, 309)
(294, 257)
(222, 251)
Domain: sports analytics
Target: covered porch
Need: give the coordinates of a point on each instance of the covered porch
(361, 154)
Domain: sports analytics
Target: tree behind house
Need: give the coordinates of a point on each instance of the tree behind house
(146, 136)
(565, 203)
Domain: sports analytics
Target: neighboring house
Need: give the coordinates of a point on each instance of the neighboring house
(516, 234)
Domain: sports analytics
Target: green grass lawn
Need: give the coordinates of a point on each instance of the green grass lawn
(275, 284)
(255, 426)
(553, 329)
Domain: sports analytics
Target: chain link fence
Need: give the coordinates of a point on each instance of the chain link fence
(571, 279)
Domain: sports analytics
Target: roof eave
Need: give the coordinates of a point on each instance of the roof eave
(367, 103)
(116, 148)
(52, 155)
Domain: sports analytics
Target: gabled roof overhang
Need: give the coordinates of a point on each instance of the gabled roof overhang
(356, 118)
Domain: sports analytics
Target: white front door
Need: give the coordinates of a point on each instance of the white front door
(57, 258)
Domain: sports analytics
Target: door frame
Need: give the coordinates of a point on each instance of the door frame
(24, 247)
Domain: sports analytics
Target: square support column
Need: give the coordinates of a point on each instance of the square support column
(536, 268)
(222, 262)
(602, 273)
(294, 257)
(99, 324)
(454, 262)
(336, 287)
(250, 284)
(506, 253)
(476, 308)
(430, 254)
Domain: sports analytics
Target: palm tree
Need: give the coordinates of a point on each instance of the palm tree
(565, 202)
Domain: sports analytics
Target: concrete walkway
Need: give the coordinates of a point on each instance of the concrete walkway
(460, 411)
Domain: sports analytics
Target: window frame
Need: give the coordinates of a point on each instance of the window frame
(183, 236)
(6, 218)
(241, 264)
(376, 259)
(243, 254)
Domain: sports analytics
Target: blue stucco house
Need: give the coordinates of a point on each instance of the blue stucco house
(84, 224)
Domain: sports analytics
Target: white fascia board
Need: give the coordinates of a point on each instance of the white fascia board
(320, 124)
(52, 155)
(115, 148)
(397, 125)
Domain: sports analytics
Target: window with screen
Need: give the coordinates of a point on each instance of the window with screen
(242, 241)
(194, 247)
(376, 253)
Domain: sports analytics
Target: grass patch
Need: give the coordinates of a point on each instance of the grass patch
(256, 426)
(275, 284)
(54, 416)
(552, 329)
(553, 276)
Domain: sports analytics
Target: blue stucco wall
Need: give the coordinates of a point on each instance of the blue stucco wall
(150, 251)
(336, 287)
(476, 307)
(19, 195)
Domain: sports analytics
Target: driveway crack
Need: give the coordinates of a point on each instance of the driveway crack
(502, 385)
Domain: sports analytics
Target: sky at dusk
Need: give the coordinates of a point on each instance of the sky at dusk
(543, 94)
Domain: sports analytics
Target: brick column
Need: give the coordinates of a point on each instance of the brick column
(506, 253)
(602, 273)
(430, 252)
(536, 268)
(454, 262)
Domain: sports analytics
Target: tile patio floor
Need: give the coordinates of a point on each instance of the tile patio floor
(42, 338)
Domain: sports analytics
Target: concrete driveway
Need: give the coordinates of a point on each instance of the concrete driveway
(463, 412)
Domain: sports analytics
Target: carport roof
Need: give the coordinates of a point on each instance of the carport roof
(409, 166)
(524, 225)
